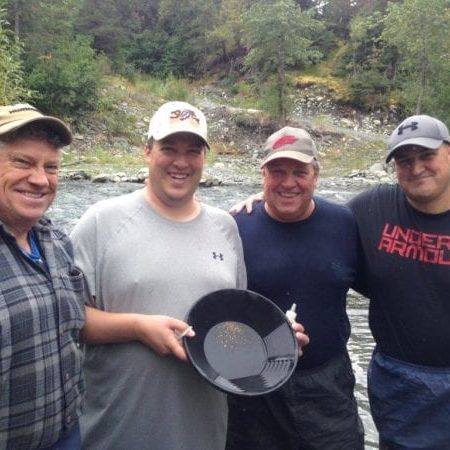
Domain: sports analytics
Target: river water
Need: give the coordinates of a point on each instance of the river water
(74, 197)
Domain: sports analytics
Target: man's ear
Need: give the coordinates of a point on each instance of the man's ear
(147, 149)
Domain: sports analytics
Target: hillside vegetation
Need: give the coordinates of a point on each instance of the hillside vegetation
(112, 140)
(344, 69)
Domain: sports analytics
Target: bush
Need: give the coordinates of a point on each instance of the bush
(68, 80)
(12, 87)
(368, 90)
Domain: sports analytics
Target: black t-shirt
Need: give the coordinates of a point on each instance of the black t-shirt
(406, 275)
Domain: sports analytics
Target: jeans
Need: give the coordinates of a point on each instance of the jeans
(71, 441)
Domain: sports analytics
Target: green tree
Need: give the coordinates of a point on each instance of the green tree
(369, 63)
(337, 14)
(227, 36)
(61, 68)
(186, 25)
(68, 79)
(277, 34)
(42, 24)
(12, 87)
(420, 31)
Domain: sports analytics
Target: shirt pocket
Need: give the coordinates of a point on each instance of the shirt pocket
(73, 294)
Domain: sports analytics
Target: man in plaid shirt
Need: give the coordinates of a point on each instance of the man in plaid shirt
(42, 293)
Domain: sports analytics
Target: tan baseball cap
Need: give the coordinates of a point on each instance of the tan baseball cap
(13, 117)
(292, 143)
(178, 117)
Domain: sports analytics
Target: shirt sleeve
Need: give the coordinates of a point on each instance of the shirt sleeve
(85, 248)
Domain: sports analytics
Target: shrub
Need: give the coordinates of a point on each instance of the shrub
(67, 81)
(368, 90)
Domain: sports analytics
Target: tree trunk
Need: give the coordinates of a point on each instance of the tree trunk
(423, 82)
(16, 19)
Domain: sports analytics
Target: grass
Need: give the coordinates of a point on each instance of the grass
(99, 160)
(171, 88)
(340, 160)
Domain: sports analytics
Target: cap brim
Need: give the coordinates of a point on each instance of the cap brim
(289, 154)
(163, 135)
(58, 125)
(420, 142)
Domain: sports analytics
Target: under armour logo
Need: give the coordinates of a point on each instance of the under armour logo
(413, 126)
(184, 114)
(217, 256)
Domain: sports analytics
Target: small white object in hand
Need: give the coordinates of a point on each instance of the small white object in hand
(185, 332)
(291, 314)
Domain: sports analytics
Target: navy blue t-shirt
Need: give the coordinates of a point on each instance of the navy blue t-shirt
(311, 263)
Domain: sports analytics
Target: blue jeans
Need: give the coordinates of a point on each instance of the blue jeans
(410, 404)
(71, 441)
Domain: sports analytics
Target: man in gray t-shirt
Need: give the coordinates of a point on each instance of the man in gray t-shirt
(148, 256)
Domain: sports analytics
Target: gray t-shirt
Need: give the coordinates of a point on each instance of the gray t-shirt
(137, 261)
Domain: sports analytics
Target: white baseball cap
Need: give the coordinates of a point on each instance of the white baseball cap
(178, 117)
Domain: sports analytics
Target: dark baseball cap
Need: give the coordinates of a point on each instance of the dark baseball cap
(422, 131)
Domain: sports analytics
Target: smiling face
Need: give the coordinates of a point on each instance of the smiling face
(424, 176)
(175, 164)
(28, 181)
(288, 189)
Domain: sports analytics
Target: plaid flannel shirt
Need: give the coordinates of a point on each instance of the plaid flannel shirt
(41, 314)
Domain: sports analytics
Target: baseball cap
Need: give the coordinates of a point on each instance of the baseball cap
(422, 130)
(292, 143)
(178, 117)
(13, 117)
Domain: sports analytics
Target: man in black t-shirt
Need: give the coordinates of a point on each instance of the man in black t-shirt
(405, 234)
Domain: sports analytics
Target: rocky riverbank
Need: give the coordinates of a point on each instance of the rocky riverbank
(351, 144)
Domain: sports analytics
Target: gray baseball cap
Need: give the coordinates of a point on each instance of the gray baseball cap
(422, 131)
(291, 143)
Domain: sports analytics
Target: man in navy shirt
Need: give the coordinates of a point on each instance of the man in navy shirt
(302, 249)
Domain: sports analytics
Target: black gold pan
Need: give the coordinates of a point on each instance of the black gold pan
(243, 343)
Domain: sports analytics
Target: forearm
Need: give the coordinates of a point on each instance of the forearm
(104, 327)
(160, 333)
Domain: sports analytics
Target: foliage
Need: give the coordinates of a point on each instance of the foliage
(369, 90)
(226, 38)
(269, 100)
(170, 88)
(338, 14)
(419, 30)
(101, 157)
(42, 24)
(12, 87)
(277, 36)
(67, 81)
(374, 50)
